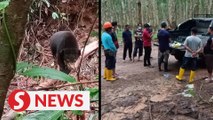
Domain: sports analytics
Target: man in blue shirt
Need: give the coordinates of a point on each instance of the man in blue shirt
(127, 39)
(163, 51)
(109, 50)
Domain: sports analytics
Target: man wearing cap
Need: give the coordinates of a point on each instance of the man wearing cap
(193, 46)
(147, 36)
(138, 42)
(163, 51)
(109, 50)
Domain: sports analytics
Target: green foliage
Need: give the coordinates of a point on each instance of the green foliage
(119, 35)
(154, 37)
(44, 115)
(64, 117)
(94, 34)
(93, 116)
(55, 15)
(19, 115)
(30, 70)
(189, 91)
(96, 77)
(47, 2)
(94, 93)
(38, 4)
(22, 66)
(4, 4)
(39, 115)
(63, 16)
(94, 96)
(77, 112)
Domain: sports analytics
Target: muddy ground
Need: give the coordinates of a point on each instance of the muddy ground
(144, 93)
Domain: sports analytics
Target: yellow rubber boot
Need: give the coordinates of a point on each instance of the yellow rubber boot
(105, 73)
(109, 75)
(192, 75)
(180, 76)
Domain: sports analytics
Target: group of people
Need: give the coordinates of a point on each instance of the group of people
(143, 38)
(142, 41)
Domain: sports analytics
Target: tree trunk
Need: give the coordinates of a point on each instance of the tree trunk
(201, 6)
(196, 7)
(123, 13)
(139, 12)
(127, 12)
(142, 12)
(153, 11)
(210, 7)
(150, 12)
(16, 15)
(172, 7)
(155, 14)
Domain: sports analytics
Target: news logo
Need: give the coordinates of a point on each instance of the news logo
(20, 100)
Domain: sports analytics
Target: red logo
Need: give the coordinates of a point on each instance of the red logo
(19, 100)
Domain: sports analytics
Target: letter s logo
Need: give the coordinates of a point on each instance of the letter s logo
(19, 100)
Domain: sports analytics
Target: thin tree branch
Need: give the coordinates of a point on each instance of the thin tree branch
(65, 85)
(79, 67)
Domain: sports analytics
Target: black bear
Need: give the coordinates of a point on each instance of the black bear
(65, 49)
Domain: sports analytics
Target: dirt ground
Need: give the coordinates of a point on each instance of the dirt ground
(143, 93)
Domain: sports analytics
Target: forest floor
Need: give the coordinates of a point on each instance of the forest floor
(36, 48)
(143, 93)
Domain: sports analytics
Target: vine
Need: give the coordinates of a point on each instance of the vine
(9, 39)
(3, 5)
